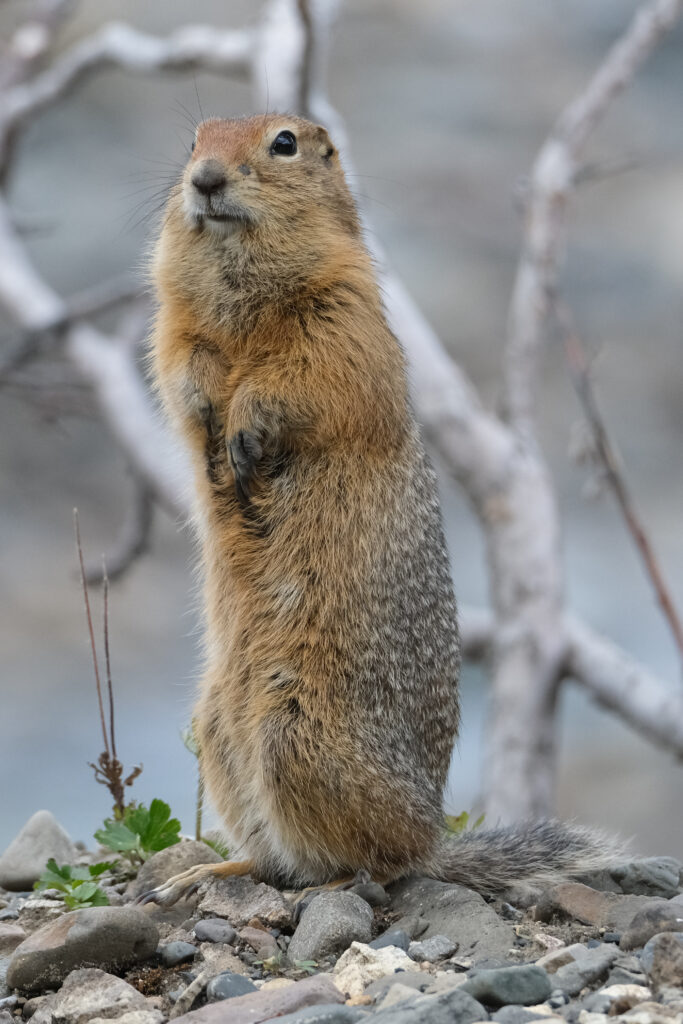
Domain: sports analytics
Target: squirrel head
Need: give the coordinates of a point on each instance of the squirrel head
(261, 177)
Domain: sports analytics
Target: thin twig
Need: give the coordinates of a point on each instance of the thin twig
(91, 631)
(579, 367)
(105, 591)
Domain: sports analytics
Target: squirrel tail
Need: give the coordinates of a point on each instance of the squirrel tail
(493, 860)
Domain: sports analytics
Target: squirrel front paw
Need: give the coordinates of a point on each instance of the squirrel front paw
(245, 451)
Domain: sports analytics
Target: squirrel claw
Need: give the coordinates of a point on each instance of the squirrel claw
(245, 451)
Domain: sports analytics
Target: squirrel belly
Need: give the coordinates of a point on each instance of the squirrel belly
(329, 702)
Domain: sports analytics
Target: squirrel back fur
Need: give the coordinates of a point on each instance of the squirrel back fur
(329, 702)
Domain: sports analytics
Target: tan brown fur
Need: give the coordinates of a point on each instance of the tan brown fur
(329, 705)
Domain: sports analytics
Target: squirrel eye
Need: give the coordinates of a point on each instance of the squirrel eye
(284, 144)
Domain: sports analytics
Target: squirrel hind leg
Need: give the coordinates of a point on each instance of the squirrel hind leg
(187, 882)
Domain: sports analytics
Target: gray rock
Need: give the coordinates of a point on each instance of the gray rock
(329, 925)
(597, 1002)
(114, 937)
(662, 958)
(658, 917)
(621, 976)
(174, 953)
(214, 929)
(393, 937)
(228, 985)
(649, 876)
(452, 1007)
(602, 880)
(134, 1017)
(269, 1003)
(24, 860)
(372, 892)
(514, 1015)
(593, 966)
(86, 994)
(524, 986)
(456, 912)
(438, 947)
(163, 865)
(11, 936)
(646, 956)
(325, 1014)
(239, 899)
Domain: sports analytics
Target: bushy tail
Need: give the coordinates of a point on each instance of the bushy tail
(493, 860)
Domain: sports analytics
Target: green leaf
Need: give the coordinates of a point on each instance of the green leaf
(54, 877)
(96, 870)
(117, 836)
(162, 830)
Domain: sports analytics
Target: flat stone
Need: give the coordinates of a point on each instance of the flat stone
(261, 1006)
(393, 937)
(133, 1017)
(26, 857)
(592, 967)
(438, 947)
(662, 958)
(581, 903)
(86, 994)
(524, 986)
(114, 937)
(11, 935)
(372, 892)
(262, 942)
(172, 861)
(214, 929)
(552, 961)
(516, 1015)
(658, 917)
(328, 1013)
(361, 964)
(174, 953)
(649, 876)
(451, 1007)
(238, 900)
(652, 1013)
(415, 979)
(459, 913)
(227, 986)
(329, 925)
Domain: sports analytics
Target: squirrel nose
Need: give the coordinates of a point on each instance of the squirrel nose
(209, 177)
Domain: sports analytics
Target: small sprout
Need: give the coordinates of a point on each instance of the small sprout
(142, 832)
(77, 884)
(309, 966)
(218, 846)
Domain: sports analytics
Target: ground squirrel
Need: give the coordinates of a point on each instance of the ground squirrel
(329, 703)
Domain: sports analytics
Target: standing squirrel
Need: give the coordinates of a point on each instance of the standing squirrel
(329, 703)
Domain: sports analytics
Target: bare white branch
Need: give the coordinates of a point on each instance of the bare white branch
(619, 683)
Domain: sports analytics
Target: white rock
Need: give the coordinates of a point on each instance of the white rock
(549, 942)
(626, 996)
(585, 1017)
(90, 993)
(133, 1017)
(24, 860)
(360, 965)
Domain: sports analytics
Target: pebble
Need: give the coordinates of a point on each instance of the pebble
(262, 1006)
(451, 1007)
(552, 961)
(361, 964)
(239, 899)
(262, 942)
(662, 958)
(524, 986)
(329, 925)
(649, 876)
(623, 997)
(592, 966)
(103, 936)
(214, 929)
(393, 937)
(438, 947)
(89, 993)
(11, 935)
(661, 917)
(651, 1013)
(456, 912)
(329, 1013)
(174, 953)
(24, 860)
(372, 892)
(133, 1017)
(227, 986)
(515, 1015)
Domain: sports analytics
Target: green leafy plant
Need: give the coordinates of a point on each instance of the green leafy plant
(141, 832)
(77, 884)
(456, 823)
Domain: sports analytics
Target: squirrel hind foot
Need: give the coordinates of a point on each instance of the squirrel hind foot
(187, 882)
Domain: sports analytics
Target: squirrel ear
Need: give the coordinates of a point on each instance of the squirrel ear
(325, 147)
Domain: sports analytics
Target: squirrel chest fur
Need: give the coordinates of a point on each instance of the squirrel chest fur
(329, 702)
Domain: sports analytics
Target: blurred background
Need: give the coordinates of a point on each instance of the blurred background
(446, 103)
